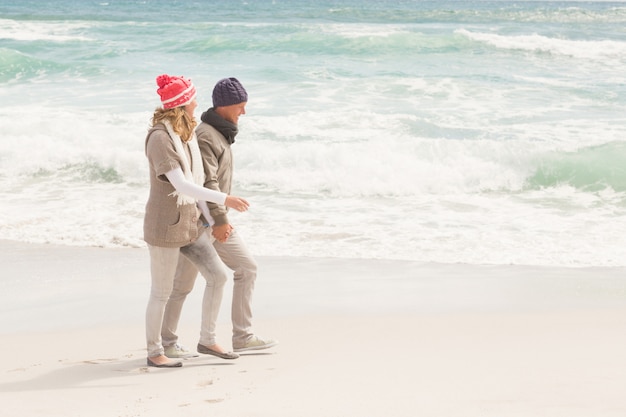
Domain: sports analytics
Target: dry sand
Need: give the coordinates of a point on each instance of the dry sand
(357, 338)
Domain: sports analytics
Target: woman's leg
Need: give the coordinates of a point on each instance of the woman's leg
(202, 254)
(162, 268)
(184, 280)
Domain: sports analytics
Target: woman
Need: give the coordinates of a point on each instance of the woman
(172, 223)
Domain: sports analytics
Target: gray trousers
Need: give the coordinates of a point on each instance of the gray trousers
(236, 256)
(163, 263)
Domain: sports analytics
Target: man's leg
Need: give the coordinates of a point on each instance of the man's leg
(237, 257)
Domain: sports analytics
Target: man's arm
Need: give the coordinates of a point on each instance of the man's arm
(210, 158)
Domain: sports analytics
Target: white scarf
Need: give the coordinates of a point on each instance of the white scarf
(196, 173)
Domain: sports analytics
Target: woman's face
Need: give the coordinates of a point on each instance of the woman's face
(191, 107)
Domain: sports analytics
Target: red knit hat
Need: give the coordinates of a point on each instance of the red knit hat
(175, 91)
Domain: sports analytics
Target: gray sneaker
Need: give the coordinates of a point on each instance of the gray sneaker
(179, 351)
(255, 343)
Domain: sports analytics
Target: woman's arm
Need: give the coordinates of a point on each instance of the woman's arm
(204, 208)
(182, 185)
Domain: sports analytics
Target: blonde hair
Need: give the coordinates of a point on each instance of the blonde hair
(182, 124)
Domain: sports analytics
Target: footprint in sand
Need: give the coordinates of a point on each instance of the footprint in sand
(214, 400)
(99, 361)
(206, 383)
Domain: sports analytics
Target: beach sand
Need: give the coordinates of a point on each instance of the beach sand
(357, 338)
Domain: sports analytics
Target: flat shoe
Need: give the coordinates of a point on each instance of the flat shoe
(223, 355)
(165, 365)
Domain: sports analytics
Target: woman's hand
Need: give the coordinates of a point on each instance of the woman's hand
(237, 203)
(222, 233)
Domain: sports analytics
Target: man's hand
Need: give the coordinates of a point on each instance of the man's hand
(222, 232)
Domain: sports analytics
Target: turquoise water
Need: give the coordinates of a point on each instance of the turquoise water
(468, 131)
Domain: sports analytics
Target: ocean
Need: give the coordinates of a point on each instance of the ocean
(478, 132)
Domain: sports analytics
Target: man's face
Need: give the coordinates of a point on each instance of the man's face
(232, 112)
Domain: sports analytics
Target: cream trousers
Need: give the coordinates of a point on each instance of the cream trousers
(238, 258)
(163, 262)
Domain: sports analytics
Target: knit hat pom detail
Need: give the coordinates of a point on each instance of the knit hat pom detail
(163, 80)
(175, 91)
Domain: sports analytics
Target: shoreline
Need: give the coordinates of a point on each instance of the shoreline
(55, 281)
(357, 337)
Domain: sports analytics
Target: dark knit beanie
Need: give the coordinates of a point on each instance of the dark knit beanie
(229, 91)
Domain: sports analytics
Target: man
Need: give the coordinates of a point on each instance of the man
(216, 134)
